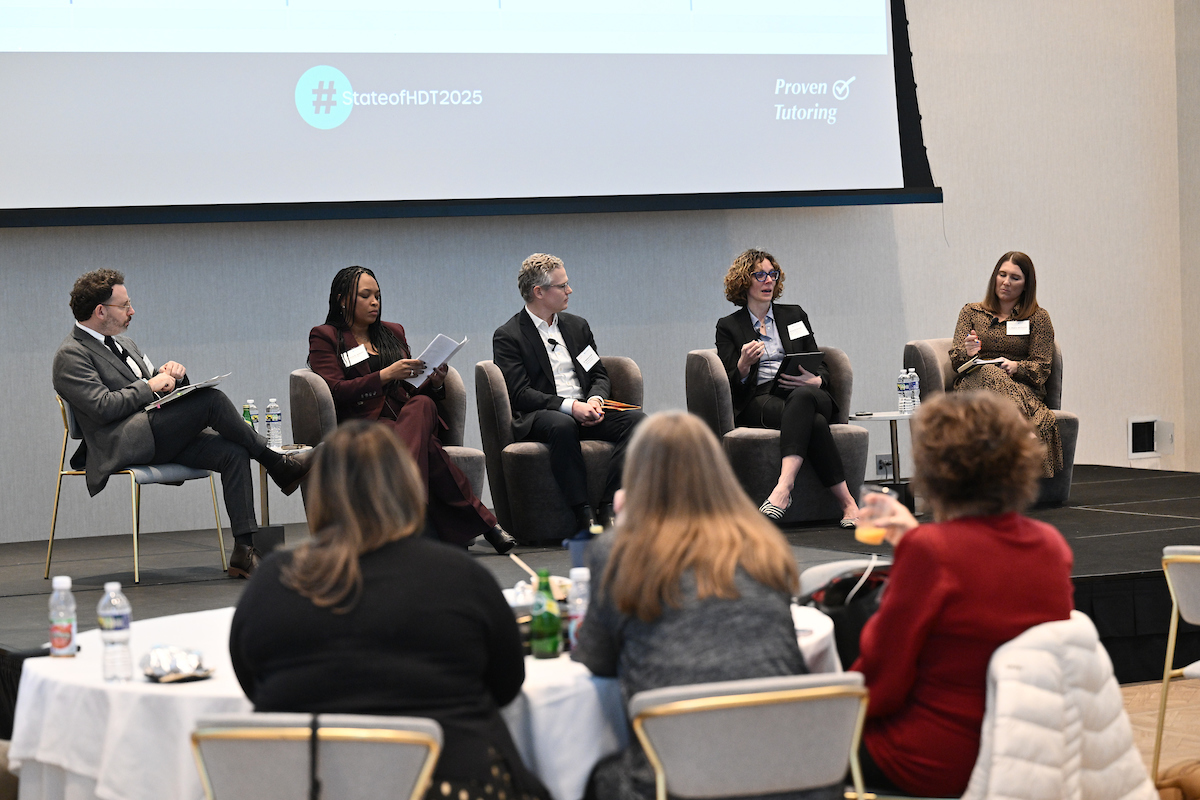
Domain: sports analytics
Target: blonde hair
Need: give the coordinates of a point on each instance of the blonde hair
(685, 510)
(363, 492)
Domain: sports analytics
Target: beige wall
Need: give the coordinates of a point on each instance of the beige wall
(1051, 129)
(1187, 49)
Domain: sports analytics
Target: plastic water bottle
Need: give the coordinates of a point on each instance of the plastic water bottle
(577, 602)
(915, 381)
(62, 617)
(902, 392)
(274, 424)
(115, 614)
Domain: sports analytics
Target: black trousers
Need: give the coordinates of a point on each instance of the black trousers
(180, 437)
(562, 434)
(803, 424)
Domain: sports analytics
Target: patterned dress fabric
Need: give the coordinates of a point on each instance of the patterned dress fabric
(1027, 388)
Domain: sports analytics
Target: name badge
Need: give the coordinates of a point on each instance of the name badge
(355, 356)
(797, 330)
(1018, 327)
(587, 359)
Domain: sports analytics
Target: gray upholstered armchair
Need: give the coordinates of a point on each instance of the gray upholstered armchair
(526, 497)
(314, 417)
(931, 359)
(754, 452)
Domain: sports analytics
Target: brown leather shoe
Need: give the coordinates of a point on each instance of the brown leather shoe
(243, 561)
(291, 469)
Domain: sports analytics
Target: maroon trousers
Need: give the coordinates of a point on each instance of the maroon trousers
(453, 508)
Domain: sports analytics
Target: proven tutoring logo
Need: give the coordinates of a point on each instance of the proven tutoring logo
(317, 94)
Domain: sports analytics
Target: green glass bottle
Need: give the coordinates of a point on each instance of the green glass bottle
(545, 629)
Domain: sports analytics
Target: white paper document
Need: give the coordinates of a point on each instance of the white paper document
(183, 390)
(439, 351)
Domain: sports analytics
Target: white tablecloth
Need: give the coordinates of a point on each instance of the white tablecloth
(76, 737)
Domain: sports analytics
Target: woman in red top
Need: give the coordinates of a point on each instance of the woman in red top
(975, 578)
(368, 366)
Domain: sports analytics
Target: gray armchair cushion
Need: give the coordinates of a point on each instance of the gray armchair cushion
(754, 452)
(526, 497)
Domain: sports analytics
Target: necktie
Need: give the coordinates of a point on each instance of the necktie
(129, 362)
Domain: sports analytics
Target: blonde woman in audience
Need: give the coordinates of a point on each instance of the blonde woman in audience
(694, 585)
(960, 586)
(368, 617)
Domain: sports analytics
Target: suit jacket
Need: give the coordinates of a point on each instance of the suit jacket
(358, 393)
(736, 329)
(108, 399)
(519, 352)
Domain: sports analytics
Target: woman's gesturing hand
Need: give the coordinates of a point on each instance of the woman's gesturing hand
(973, 344)
(751, 353)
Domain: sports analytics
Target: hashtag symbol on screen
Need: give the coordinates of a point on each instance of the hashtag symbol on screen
(323, 97)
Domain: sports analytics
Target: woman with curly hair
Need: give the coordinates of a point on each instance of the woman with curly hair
(974, 578)
(751, 343)
(370, 370)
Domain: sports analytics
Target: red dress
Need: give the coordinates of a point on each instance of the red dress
(359, 393)
(958, 590)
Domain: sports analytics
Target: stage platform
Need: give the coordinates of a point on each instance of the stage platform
(1117, 522)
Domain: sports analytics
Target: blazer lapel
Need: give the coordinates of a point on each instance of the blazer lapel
(362, 368)
(534, 340)
(573, 350)
(781, 325)
(98, 347)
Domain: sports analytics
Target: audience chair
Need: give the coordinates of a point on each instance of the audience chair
(1055, 722)
(931, 359)
(139, 476)
(754, 452)
(272, 756)
(528, 502)
(314, 417)
(815, 577)
(1181, 564)
(752, 737)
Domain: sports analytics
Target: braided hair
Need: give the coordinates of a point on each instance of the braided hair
(343, 296)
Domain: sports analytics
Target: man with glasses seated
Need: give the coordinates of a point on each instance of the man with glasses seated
(556, 385)
(108, 382)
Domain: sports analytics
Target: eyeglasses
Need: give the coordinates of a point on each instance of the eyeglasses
(564, 285)
(126, 305)
(761, 276)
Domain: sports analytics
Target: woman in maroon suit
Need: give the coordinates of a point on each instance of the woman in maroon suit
(367, 364)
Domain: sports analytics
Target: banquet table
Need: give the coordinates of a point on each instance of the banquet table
(76, 737)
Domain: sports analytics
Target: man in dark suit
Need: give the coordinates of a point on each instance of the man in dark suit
(108, 382)
(556, 384)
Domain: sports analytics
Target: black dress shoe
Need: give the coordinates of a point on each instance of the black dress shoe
(290, 470)
(608, 516)
(243, 561)
(500, 540)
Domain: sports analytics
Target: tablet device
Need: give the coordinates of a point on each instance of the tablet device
(793, 361)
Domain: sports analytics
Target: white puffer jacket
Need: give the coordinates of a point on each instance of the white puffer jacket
(1055, 727)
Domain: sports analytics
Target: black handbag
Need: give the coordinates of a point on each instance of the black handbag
(850, 599)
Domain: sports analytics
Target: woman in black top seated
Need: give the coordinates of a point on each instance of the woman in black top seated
(369, 618)
(751, 343)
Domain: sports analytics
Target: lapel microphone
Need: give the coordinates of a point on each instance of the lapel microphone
(553, 344)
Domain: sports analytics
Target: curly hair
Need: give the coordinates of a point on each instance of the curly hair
(91, 289)
(975, 453)
(738, 280)
(535, 271)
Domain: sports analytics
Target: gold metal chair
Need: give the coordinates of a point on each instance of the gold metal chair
(174, 474)
(275, 756)
(1181, 565)
(749, 737)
